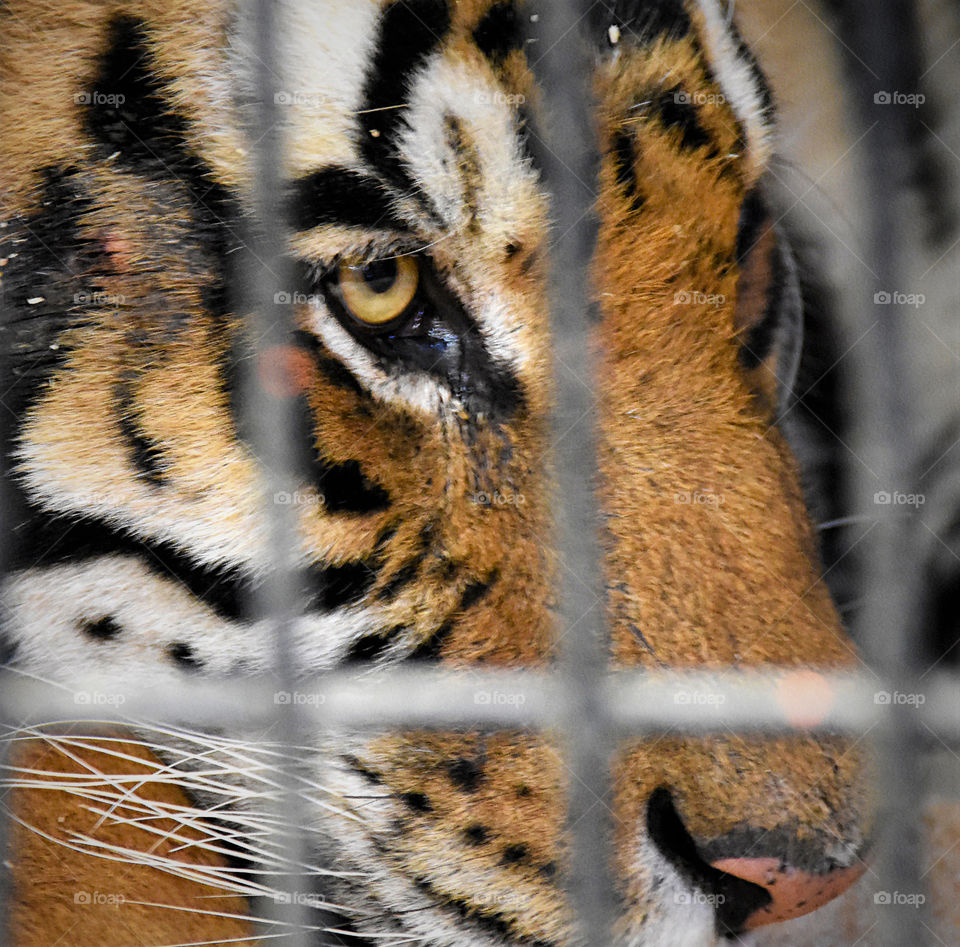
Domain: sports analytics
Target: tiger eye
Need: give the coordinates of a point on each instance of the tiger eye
(378, 292)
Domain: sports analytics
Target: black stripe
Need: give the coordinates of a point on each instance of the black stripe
(499, 32)
(127, 110)
(8, 649)
(475, 591)
(343, 585)
(344, 197)
(675, 111)
(490, 922)
(370, 647)
(145, 454)
(409, 31)
(403, 577)
(641, 21)
(344, 486)
(429, 650)
(44, 540)
(761, 337)
(49, 259)
(625, 160)
(754, 215)
(333, 371)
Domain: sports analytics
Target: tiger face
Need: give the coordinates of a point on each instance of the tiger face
(422, 380)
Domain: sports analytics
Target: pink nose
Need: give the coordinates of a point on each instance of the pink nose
(793, 892)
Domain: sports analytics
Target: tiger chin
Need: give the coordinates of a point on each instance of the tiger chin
(422, 375)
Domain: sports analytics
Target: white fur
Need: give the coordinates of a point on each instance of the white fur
(736, 79)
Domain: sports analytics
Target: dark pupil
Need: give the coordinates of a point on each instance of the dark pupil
(380, 275)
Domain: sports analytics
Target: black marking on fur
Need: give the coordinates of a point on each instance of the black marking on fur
(8, 649)
(346, 489)
(126, 110)
(499, 32)
(43, 539)
(410, 30)
(642, 21)
(760, 339)
(736, 899)
(476, 834)
(513, 854)
(754, 220)
(675, 112)
(344, 486)
(49, 260)
(343, 585)
(183, 655)
(429, 650)
(465, 774)
(491, 923)
(625, 162)
(371, 647)
(358, 767)
(103, 629)
(402, 578)
(145, 454)
(477, 590)
(332, 370)
(548, 870)
(344, 197)
(417, 801)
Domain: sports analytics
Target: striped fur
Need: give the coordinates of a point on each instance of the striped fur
(139, 533)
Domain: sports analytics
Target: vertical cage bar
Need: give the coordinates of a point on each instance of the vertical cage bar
(561, 61)
(269, 413)
(6, 544)
(883, 403)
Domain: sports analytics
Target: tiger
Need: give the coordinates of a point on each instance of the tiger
(419, 231)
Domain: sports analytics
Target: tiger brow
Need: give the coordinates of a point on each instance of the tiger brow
(342, 196)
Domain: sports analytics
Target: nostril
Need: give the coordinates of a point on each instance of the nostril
(736, 898)
(747, 891)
